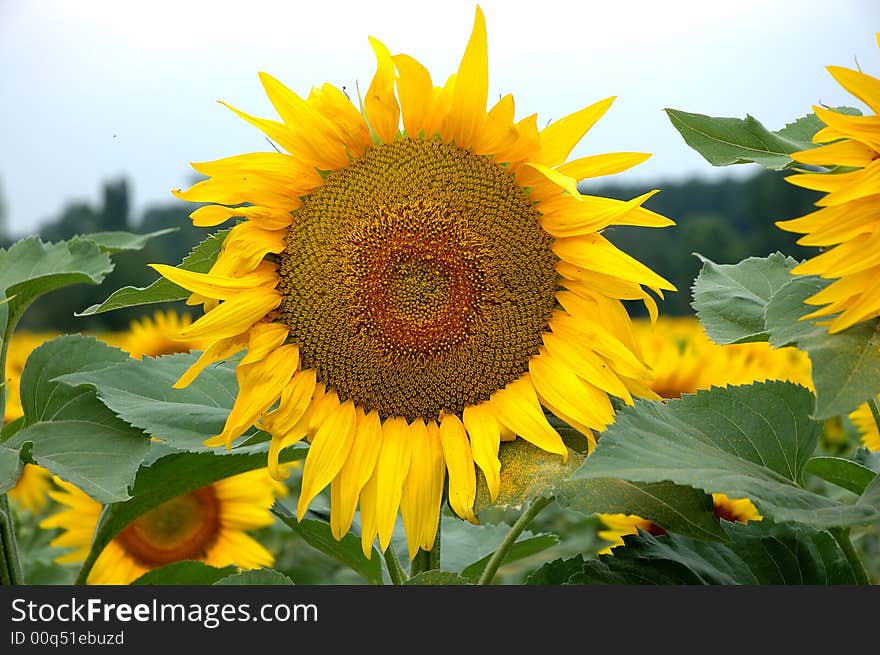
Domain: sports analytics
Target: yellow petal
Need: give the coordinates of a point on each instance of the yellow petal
(259, 386)
(559, 138)
(264, 338)
(220, 287)
(460, 465)
(245, 247)
(595, 253)
(517, 407)
(343, 118)
(391, 469)
(468, 108)
(839, 153)
(587, 364)
(434, 490)
(415, 508)
(485, 436)
(266, 217)
(588, 214)
(605, 164)
(369, 525)
(217, 351)
(416, 93)
(380, 105)
(355, 472)
(295, 400)
(862, 86)
(330, 447)
(234, 316)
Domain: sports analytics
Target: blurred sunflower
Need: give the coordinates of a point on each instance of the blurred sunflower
(846, 225)
(867, 427)
(152, 335)
(684, 359)
(31, 490)
(208, 525)
(740, 510)
(414, 297)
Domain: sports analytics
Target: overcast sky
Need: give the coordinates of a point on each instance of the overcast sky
(91, 90)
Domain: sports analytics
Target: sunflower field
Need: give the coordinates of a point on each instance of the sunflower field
(406, 350)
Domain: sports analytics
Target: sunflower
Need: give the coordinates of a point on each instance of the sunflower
(410, 298)
(846, 226)
(867, 427)
(740, 510)
(683, 359)
(207, 525)
(152, 336)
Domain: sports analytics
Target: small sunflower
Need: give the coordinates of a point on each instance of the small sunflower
(208, 525)
(846, 226)
(867, 427)
(410, 298)
(740, 510)
(152, 335)
(683, 359)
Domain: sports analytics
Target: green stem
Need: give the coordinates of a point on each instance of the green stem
(855, 562)
(426, 560)
(11, 567)
(875, 411)
(395, 570)
(516, 529)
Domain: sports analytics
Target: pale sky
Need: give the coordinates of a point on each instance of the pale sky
(91, 90)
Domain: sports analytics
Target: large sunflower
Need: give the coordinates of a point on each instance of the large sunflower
(846, 225)
(412, 297)
(207, 525)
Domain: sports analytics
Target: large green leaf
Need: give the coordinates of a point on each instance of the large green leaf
(755, 554)
(256, 577)
(723, 141)
(174, 475)
(114, 242)
(30, 268)
(70, 432)
(140, 392)
(200, 260)
(186, 572)
(526, 472)
(730, 299)
(676, 508)
(347, 550)
(747, 442)
(845, 365)
(842, 472)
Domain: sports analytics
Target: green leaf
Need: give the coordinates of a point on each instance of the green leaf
(557, 572)
(519, 551)
(71, 432)
(756, 554)
(140, 392)
(730, 299)
(747, 442)
(200, 260)
(30, 268)
(526, 473)
(10, 468)
(348, 550)
(805, 127)
(187, 572)
(845, 365)
(436, 578)
(114, 242)
(680, 509)
(172, 476)
(256, 577)
(842, 472)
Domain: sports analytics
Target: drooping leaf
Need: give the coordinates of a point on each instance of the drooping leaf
(723, 141)
(140, 392)
(70, 432)
(200, 260)
(842, 472)
(676, 508)
(174, 475)
(347, 550)
(29, 268)
(526, 473)
(746, 442)
(117, 241)
(437, 578)
(756, 554)
(256, 577)
(845, 365)
(730, 299)
(186, 572)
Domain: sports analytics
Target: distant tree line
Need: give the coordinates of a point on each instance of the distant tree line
(725, 220)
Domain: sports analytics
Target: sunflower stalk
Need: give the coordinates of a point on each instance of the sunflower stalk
(874, 404)
(10, 568)
(516, 529)
(426, 560)
(395, 570)
(842, 537)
